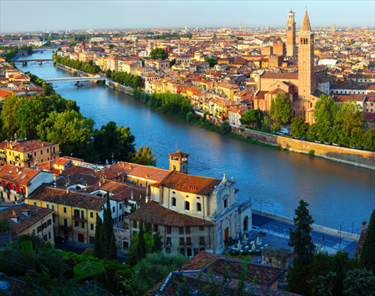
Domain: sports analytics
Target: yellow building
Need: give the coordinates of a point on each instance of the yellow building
(225, 89)
(28, 219)
(75, 212)
(26, 153)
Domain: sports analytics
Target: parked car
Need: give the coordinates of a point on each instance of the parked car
(60, 240)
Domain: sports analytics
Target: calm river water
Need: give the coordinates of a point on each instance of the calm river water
(337, 193)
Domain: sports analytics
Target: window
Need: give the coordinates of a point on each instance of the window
(82, 214)
(134, 224)
(34, 153)
(182, 251)
(120, 206)
(47, 206)
(201, 241)
(188, 252)
(49, 234)
(91, 226)
(225, 203)
(187, 206)
(49, 222)
(199, 207)
(169, 229)
(182, 241)
(76, 224)
(155, 227)
(83, 224)
(187, 229)
(45, 237)
(173, 201)
(53, 207)
(169, 241)
(188, 241)
(41, 152)
(91, 215)
(44, 225)
(39, 229)
(65, 210)
(47, 150)
(42, 160)
(181, 230)
(65, 222)
(34, 202)
(113, 209)
(201, 228)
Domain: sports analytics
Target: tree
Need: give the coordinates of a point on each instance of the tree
(225, 127)
(303, 249)
(5, 225)
(211, 61)
(325, 110)
(112, 141)
(108, 73)
(359, 282)
(9, 114)
(368, 247)
(299, 127)
(281, 109)
(252, 116)
(144, 157)
(266, 123)
(141, 246)
(98, 243)
(71, 130)
(110, 46)
(189, 116)
(112, 254)
(29, 115)
(158, 53)
(369, 139)
(157, 247)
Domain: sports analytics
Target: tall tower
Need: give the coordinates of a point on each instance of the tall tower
(240, 25)
(306, 77)
(291, 35)
(178, 161)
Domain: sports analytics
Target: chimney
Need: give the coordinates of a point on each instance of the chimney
(364, 225)
(146, 199)
(18, 170)
(131, 195)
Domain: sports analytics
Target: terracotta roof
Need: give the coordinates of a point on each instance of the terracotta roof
(281, 76)
(369, 116)
(76, 169)
(4, 93)
(111, 172)
(22, 176)
(189, 183)
(24, 145)
(306, 23)
(142, 171)
(37, 213)
(71, 198)
(61, 161)
(156, 214)
(179, 154)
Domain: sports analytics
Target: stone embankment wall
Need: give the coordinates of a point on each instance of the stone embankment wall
(120, 87)
(314, 226)
(355, 157)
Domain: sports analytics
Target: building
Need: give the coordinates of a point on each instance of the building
(193, 213)
(86, 56)
(291, 35)
(28, 219)
(25, 153)
(18, 183)
(279, 49)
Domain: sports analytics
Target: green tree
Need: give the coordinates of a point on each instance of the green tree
(189, 116)
(303, 249)
(110, 46)
(71, 130)
(325, 110)
(98, 243)
(369, 139)
(108, 73)
(141, 246)
(266, 123)
(225, 127)
(157, 247)
(29, 116)
(211, 61)
(158, 53)
(281, 109)
(9, 114)
(368, 247)
(357, 137)
(112, 254)
(5, 225)
(144, 157)
(359, 282)
(276, 127)
(299, 127)
(252, 116)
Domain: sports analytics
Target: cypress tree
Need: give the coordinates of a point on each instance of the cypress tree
(108, 222)
(141, 246)
(303, 249)
(157, 247)
(98, 244)
(112, 248)
(368, 247)
(147, 228)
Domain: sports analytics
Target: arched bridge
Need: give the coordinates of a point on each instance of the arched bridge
(94, 78)
(28, 61)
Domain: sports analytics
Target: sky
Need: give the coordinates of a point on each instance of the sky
(43, 15)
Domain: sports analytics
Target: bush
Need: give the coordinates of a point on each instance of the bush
(27, 246)
(88, 252)
(88, 270)
(311, 152)
(225, 128)
(189, 116)
(279, 147)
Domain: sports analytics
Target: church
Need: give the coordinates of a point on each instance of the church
(304, 87)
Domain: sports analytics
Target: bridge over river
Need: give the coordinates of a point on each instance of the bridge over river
(77, 79)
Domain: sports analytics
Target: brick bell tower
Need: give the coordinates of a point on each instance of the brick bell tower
(306, 82)
(291, 35)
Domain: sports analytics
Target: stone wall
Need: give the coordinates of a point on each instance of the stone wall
(276, 256)
(355, 157)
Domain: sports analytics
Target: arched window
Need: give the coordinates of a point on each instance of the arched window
(187, 206)
(199, 207)
(173, 201)
(290, 28)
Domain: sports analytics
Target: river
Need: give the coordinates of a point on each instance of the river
(274, 180)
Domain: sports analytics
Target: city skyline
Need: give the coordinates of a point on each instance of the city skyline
(171, 14)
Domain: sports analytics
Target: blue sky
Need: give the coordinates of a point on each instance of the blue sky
(29, 15)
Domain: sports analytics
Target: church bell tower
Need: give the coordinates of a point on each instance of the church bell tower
(291, 35)
(178, 162)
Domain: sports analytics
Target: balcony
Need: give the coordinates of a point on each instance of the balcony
(56, 152)
(77, 218)
(65, 227)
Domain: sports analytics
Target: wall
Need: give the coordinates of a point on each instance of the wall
(120, 236)
(314, 226)
(355, 157)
